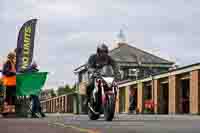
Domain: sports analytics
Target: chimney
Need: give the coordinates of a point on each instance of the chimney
(119, 44)
(121, 40)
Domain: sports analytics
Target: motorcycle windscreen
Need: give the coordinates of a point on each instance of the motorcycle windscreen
(107, 71)
(109, 80)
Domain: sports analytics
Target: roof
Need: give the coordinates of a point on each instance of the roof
(127, 53)
(80, 68)
(179, 68)
(176, 71)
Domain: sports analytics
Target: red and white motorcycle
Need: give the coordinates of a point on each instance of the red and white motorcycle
(103, 97)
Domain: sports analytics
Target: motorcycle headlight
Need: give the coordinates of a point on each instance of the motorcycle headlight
(109, 85)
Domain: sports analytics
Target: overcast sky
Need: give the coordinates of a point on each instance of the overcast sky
(69, 30)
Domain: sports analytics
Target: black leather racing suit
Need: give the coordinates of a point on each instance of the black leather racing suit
(93, 63)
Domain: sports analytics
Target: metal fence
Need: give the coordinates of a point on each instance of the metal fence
(61, 104)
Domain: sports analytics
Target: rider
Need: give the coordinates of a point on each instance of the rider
(98, 60)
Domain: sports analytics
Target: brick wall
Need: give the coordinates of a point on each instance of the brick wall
(195, 92)
(174, 86)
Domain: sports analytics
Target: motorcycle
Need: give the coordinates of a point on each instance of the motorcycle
(103, 96)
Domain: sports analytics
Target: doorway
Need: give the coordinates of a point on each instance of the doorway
(164, 98)
(184, 96)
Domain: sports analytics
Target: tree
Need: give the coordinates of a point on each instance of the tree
(53, 94)
(64, 90)
(74, 87)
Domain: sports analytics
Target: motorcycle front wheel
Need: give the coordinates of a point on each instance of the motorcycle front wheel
(109, 108)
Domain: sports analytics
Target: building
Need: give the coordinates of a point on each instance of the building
(133, 63)
(154, 81)
(174, 92)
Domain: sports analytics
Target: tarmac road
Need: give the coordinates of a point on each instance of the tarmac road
(135, 124)
(121, 124)
(13, 125)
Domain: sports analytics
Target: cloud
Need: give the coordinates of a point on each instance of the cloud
(68, 31)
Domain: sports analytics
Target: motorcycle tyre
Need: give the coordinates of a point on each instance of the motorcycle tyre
(109, 109)
(91, 114)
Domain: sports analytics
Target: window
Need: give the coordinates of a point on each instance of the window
(122, 74)
(132, 72)
(148, 92)
(85, 77)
